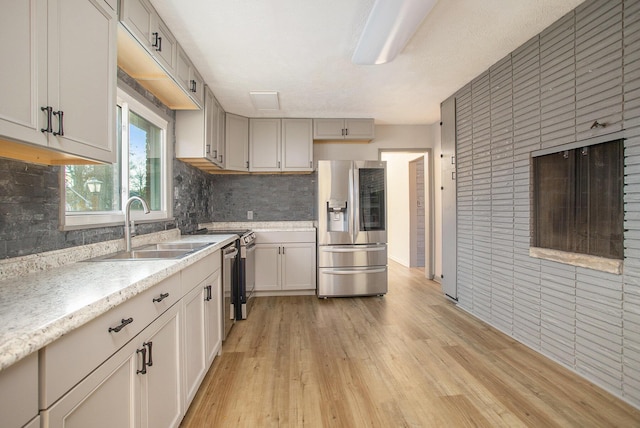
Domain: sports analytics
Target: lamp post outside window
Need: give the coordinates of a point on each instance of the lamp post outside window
(94, 186)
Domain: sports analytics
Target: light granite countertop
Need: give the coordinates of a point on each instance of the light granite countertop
(46, 296)
(262, 226)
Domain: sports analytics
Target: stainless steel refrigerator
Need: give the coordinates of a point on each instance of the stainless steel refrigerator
(352, 228)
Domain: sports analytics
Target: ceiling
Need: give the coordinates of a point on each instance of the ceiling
(303, 49)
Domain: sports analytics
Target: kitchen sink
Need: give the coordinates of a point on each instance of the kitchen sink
(162, 251)
(163, 246)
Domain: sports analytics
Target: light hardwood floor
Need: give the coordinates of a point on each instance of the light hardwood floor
(409, 359)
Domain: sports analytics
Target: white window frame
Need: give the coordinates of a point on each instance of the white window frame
(76, 220)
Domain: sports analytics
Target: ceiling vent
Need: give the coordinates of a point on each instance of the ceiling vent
(265, 100)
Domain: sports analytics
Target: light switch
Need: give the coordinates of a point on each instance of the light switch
(249, 215)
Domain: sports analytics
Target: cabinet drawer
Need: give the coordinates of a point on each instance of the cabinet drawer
(199, 271)
(278, 237)
(19, 392)
(72, 357)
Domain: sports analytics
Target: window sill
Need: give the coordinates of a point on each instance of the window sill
(602, 264)
(76, 222)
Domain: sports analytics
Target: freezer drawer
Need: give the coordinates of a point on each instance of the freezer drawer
(330, 256)
(337, 282)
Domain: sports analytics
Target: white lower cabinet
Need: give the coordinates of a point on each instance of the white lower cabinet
(139, 365)
(19, 393)
(202, 332)
(139, 386)
(161, 402)
(285, 261)
(194, 354)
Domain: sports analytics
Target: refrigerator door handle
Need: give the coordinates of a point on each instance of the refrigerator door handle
(353, 249)
(354, 272)
(355, 190)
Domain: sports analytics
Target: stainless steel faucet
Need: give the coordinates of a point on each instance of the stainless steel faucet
(127, 218)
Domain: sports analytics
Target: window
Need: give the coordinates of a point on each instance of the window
(95, 194)
(578, 204)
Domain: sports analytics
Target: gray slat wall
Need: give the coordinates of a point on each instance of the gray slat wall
(547, 93)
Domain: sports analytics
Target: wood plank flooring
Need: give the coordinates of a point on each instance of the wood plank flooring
(409, 359)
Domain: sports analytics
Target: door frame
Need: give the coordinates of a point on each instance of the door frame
(429, 198)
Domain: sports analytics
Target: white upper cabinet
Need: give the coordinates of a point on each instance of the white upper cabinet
(236, 143)
(137, 15)
(343, 129)
(219, 145)
(164, 45)
(161, 66)
(145, 24)
(280, 145)
(197, 133)
(188, 77)
(264, 145)
(297, 145)
(82, 78)
(59, 76)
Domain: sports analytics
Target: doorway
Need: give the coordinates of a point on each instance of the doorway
(410, 207)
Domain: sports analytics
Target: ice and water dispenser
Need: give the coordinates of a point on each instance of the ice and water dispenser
(337, 215)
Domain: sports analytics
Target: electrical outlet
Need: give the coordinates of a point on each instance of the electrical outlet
(249, 215)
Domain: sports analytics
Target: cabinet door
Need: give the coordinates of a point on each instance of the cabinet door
(264, 144)
(359, 129)
(82, 77)
(194, 342)
(211, 125)
(136, 16)
(236, 142)
(161, 400)
(213, 317)
(299, 266)
(196, 86)
(328, 129)
(297, 145)
(19, 392)
(267, 267)
(164, 45)
(220, 142)
(23, 69)
(108, 397)
(183, 68)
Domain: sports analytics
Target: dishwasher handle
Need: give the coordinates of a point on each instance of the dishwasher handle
(230, 252)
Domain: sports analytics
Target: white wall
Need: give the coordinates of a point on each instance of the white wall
(395, 137)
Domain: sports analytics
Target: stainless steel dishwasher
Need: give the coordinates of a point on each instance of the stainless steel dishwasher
(229, 284)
